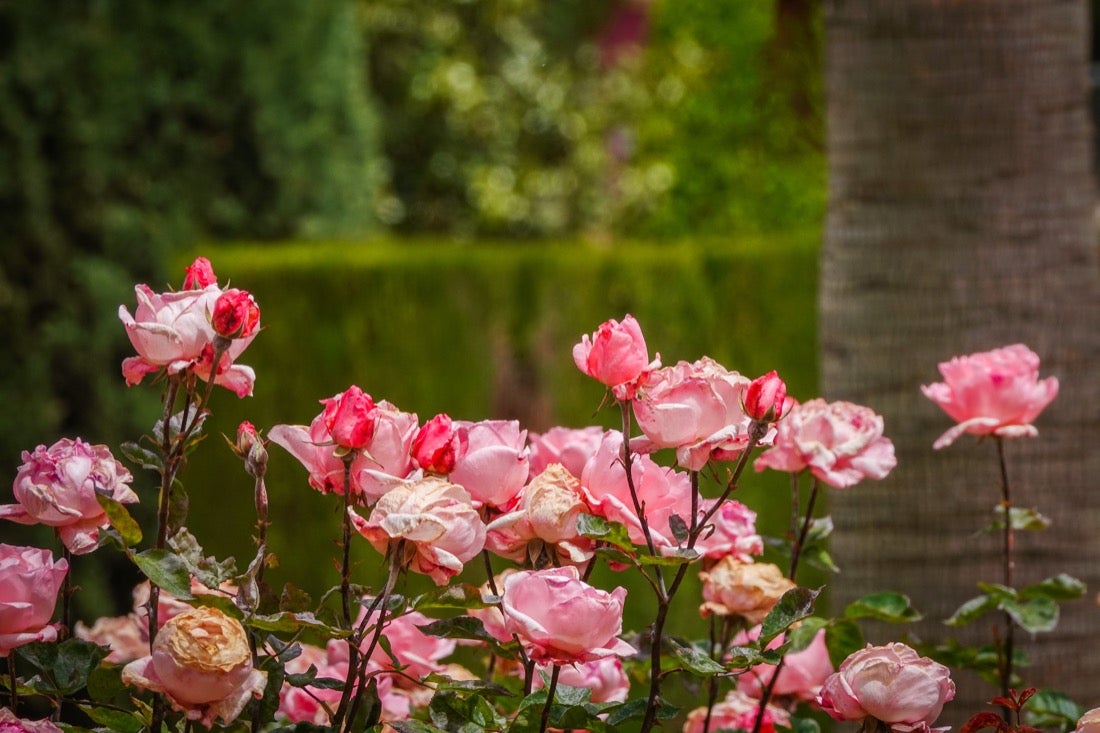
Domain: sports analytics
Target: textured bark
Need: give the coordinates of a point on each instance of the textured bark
(961, 218)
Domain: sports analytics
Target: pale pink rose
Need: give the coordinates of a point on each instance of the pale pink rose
(615, 355)
(604, 677)
(663, 491)
(202, 663)
(9, 723)
(840, 442)
(696, 409)
(992, 393)
(544, 521)
(29, 581)
(439, 524)
(200, 273)
(801, 676)
(349, 417)
(748, 590)
(732, 532)
(495, 466)
(419, 654)
(236, 314)
(127, 636)
(57, 486)
(766, 398)
(571, 447)
(892, 684)
(1089, 722)
(737, 712)
(311, 704)
(561, 619)
(439, 444)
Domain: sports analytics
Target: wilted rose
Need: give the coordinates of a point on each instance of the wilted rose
(29, 581)
(202, 663)
(992, 393)
(57, 486)
(749, 590)
(546, 517)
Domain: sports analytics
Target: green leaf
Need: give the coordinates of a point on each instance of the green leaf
(291, 622)
(673, 557)
(206, 569)
(598, 528)
(443, 682)
(128, 530)
(694, 660)
(818, 557)
(458, 597)
(998, 592)
(894, 608)
(795, 604)
(179, 503)
(115, 720)
(635, 709)
(803, 635)
(820, 529)
(842, 639)
(167, 571)
(468, 627)
(1020, 517)
(1061, 587)
(742, 657)
(805, 725)
(457, 714)
(1050, 709)
(972, 610)
(147, 459)
(678, 528)
(410, 726)
(64, 667)
(1034, 615)
(294, 599)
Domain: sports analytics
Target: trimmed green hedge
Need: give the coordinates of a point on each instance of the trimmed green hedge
(477, 332)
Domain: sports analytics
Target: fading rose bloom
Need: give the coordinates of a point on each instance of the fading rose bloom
(571, 447)
(441, 528)
(1089, 722)
(57, 486)
(615, 355)
(439, 444)
(202, 663)
(604, 677)
(561, 619)
(890, 683)
(748, 590)
(663, 491)
(992, 393)
(235, 315)
(737, 712)
(545, 520)
(29, 581)
(200, 273)
(349, 417)
(495, 466)
(733, 534)
(840, 442)
(9, 723)
(801, 676)
(696, 409)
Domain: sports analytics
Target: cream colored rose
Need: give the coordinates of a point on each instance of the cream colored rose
(749, 590)
(202, 662)
(544, 521)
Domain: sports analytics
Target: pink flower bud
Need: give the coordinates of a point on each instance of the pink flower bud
(200, 273)
(439, 444)
(349, 417)
(615, 355)
(236, 314)
(766, 398)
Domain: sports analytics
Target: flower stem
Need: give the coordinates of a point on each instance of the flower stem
(67, 590)
(800, 538)
(1009, 567)
(13, 679)
(345, 594)
(550, 689)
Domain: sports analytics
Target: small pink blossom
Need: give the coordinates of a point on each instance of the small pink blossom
(615, 355)
(840, 442)
(801, 676)
(349, 417)
(29, 581)
(571, 447)
(732, 532)
(495, 465)
(417, 653)
(57, 486)
(439, 444)
(561, 619)
(737, 712)
(236, 314)
(992, 393)
(696, 409)
(9, 723)
(200, 273)
(890, 683)
(441, 528)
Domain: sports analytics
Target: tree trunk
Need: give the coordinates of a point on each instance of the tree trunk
(961, 218)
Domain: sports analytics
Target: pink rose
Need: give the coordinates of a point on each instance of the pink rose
(418, 653)
(1089, 722)
(57, 486)
(200, 273)
(544, 521)
(202, 663)
(561, 619)
(127, 636)
(441, 528)
(992, 393)
(307, 704)
(732, 532)
(491, 617)
(615, 355)
(766, 398)
(568, 446)
(892, 684)
(29, 581)
(840, 442)
(663, 491)
(9, 723)
(349, 417)
(439, 444)
(737, 712)
(236, 314)
(801, 676)
(495, 465)
(696, 409)
(748, 590)
(604, 677)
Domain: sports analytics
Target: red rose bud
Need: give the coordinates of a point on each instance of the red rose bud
(246, 437)
(236, 314)
(438, 445)
(766, 398)
(349, 418)
(200, 273)
(251, 448)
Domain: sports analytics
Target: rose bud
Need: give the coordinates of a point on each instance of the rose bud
(200, 273)
(766, 398)
(349, 417)
(749, 590)
(439, 444)
(236, 315)
(615, 355)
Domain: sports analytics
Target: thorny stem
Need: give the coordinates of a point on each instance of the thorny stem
(66, 595)
(345, 591)
(550, 689)
(12, 679)
(1009, 566)
(639, 507)
(717, 649)
(800, 538)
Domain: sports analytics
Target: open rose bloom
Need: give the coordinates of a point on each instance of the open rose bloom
(29, 581)
(57, 486)
(992, 393)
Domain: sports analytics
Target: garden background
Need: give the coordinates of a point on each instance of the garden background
(434, 200)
